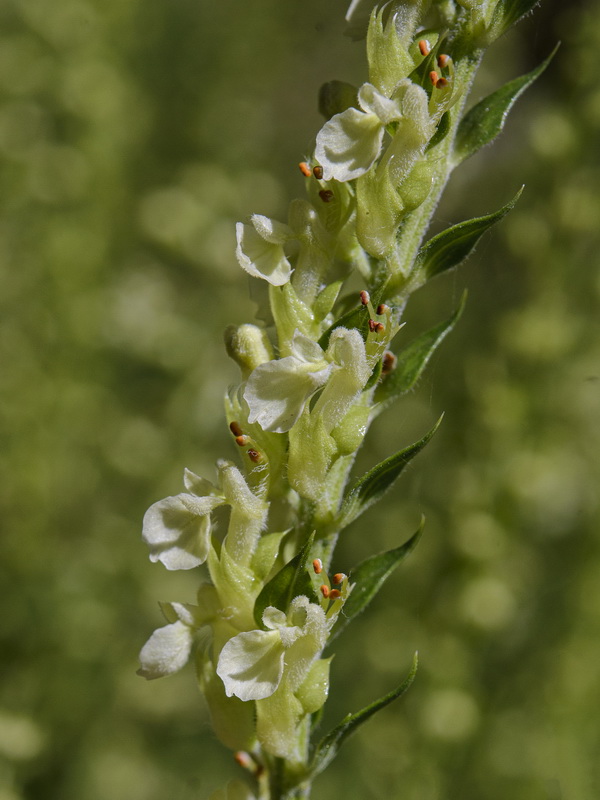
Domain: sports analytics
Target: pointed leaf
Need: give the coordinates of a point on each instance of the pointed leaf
(413, 360)
(291, 581)
(369, 577)
(451, 247)
(484, 121)
(328, 747)
(375, 483)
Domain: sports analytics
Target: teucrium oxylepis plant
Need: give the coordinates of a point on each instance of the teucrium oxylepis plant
(313, 377)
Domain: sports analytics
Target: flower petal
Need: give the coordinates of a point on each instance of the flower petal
(197, 485)
(177, 530)
(347, 351)
(238, 493)
(373, 102)
(166, 651)
(251, 664)
(277, 391)
(261, 257)
(271, 230)
(348, 144)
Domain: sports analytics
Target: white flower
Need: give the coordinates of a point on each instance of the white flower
(252, 664)
(349, 143)
(277, 391)
(260, 249)
(177, 529)
(169, 648)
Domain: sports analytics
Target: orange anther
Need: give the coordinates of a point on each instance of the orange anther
(373, 325)
(318, 172)
(338, 577)
(334, 594)
(235, 429)
(304, 169)
(242, 441)
(443, 60)
(382, 309)
(389, 363)
(434, 77)
(442, 83)
(364, 298)
(318, 566)
(326, 195)
(325, 590)
(254, 456)
(424, 47)
(379, 327)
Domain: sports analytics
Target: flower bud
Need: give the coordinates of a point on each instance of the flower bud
(249, 346)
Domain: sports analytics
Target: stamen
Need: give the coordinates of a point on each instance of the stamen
(424, 47)
(242, 441)
(443, 60)
(379, 327)
(235, 429)
(364, 298)
(382, 309)
(389, 363)
(334, 594)
(434, 77)
(373, 325)
(255, 456)
(318, 172)
(318, 566)
(304, 169)
(338, 578)
(326, 591)
(442, 83)
(326, 195)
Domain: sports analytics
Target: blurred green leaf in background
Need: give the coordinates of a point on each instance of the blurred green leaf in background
(133, 135)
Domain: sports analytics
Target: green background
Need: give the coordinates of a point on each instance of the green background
(133, 135)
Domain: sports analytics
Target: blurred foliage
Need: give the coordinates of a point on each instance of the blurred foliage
(132, 137)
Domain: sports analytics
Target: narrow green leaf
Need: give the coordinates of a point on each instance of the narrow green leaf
(375, 483)
(413, 359)
(328, 747)
(368, 578)
(291, 580)
(451, 247)
(484, 121)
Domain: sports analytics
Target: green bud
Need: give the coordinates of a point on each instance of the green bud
(389, 59)
(337, 96)
(290, 313)
(415, 188)
(232, 719)
(249, 346)
(310, 454)
(379, 212)
(313, 692)
(350, 433)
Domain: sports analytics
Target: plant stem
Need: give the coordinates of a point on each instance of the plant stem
(413, 231)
